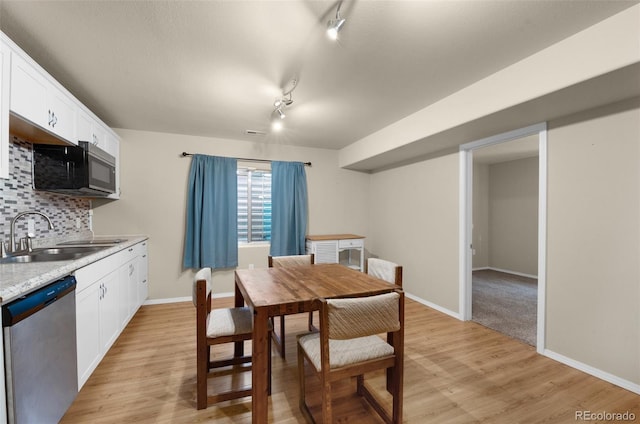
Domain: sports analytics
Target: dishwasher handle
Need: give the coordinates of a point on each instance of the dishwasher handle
(24, 307)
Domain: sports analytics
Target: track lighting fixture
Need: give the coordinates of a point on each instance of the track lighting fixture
(279, 106)
(334, 25)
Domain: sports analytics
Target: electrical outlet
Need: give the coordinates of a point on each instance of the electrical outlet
(78, 223)
(31, 227)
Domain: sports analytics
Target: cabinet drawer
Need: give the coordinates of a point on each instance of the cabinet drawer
(351, 244)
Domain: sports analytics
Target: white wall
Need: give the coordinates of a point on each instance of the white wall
(413, 221)
(593, 271)
(513, 216)
(480, 232)
(593, 266)
(153, 199)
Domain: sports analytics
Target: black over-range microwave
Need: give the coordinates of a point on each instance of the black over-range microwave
(84, 170)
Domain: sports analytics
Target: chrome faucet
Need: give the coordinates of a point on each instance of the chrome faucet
(12, 245)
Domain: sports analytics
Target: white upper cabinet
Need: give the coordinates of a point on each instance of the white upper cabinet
(36, 108)
(90, 130)
(5, 69)
(35, 98)
(63, 114)
(28, 92)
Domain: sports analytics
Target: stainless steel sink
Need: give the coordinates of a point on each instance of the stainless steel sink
(52, 254)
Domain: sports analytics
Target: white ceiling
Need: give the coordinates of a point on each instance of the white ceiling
(214, 68)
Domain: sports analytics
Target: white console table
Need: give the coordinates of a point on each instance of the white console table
(346, 249)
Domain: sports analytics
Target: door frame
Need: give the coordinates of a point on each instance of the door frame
(466, 220)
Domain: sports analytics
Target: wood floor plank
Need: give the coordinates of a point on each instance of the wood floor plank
(455, 372)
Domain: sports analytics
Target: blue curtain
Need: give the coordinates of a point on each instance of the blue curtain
(289, 208)
(211, 238)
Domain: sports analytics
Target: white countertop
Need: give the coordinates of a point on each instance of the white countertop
(17, 279)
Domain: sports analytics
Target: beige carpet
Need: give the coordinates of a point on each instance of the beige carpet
(506, 303)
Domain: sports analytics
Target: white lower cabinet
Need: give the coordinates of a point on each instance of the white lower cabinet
(107, 297)
(110, 325)
(128, 290)
(88, 332)
(143, 272)
(345, 249)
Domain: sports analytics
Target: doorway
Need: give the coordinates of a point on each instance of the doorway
(513, 145)
(505, 237)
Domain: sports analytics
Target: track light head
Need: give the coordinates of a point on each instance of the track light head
(280, 113)
(333, 27)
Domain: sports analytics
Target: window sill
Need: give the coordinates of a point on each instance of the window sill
(254, 244)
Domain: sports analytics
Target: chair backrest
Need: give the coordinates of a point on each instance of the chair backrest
(203, 275)
(348, 318)
(291, 260)
(385, 270)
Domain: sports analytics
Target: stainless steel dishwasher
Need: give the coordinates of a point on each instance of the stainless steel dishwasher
(40, 353)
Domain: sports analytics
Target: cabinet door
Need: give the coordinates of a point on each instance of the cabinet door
(109, 313)
(98, 135)
(143, 274)
(128, 291)
(111, 144)
(62, 112)
(5, 63)
(83, 126)
(28, 92)
(326, 251)
(88, 331)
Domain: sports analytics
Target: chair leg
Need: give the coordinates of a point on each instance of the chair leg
(278, 340)
(312, 327)
(327, 412)
(302, 387)
(202, 369)
(390, 370)
(282, 342)
(268, 369)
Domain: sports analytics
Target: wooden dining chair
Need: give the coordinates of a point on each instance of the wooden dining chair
(288, 261)
(214, 327)
(385, 270)
(348, 345)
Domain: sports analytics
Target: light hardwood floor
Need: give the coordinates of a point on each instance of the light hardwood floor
(455, 372)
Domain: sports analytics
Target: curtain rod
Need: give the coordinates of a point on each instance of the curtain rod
(185, 154)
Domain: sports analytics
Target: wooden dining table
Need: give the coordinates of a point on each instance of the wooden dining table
(282, 291)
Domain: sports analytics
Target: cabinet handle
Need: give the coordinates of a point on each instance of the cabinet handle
(53, 119)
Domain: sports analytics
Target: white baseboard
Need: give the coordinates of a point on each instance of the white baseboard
(482, 268)
(434, 306)
(181, 299)
(603, 375)
(167, 300)
(506, 271)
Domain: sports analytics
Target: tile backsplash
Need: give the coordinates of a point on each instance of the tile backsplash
(17, 195)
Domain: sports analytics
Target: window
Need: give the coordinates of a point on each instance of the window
(254, 205)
